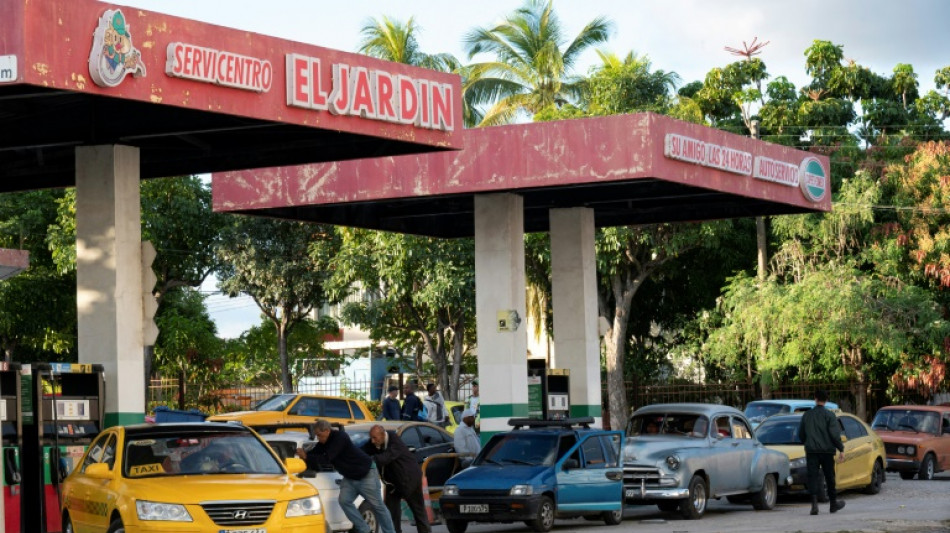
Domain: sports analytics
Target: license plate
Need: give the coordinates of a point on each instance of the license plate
(474, 508)
(630, 493)
(257, 530)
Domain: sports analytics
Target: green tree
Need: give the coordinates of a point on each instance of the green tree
(271, 261)
(420, 295)
(37, 306)
(395, 41)
(629, 85)
(531, 70)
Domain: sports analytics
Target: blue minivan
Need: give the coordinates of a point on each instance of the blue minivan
(541, 470)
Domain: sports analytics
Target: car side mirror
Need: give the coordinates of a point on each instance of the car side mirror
(571, 464)
(98, 471)
(295, 465)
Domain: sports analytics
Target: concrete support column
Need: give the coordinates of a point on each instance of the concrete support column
(109, 275)
(500, 289)
(574, 302)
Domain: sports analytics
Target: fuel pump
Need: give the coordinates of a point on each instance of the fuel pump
(548, 391)
(67, 413)
(12, 430)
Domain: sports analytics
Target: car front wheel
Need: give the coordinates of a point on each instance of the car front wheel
(366, 511)
(544, 520)
(116, 526)
(764, 500)
(613, 518)
(926, 471)
(694, 506)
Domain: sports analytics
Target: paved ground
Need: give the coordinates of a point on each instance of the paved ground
(901, 507)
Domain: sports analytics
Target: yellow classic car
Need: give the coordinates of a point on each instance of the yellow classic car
(300, 409)
(200, 477)
(864, 455)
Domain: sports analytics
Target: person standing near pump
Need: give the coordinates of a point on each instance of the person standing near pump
(401, 473)
(359, 475)
(473, 399)
(820, 432)
(391, 408)
(436, 405)
(466, 440)
(412, 404)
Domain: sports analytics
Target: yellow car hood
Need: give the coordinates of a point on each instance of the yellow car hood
(793, 452)
(215, 487)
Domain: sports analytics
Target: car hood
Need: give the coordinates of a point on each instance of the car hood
(903, 437)
(203, 488)
(497, 476)
(653, 449)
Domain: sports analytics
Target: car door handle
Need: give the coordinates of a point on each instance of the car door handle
(614, 476)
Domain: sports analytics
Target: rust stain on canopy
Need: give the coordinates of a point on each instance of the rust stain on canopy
(630, 169)
(196, 97)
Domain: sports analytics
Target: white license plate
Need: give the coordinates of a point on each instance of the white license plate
(630, 493)
(474, 508)
(257, 530)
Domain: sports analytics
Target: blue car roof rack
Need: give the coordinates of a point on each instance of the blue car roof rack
(584, 422)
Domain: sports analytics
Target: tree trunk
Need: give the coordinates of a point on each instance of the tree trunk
(284, 364)
(616, 392)
(182, 378)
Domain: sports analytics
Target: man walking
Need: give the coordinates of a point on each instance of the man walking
(391, 408)
(821, 434)
(411, 405)
(359, 475)
(403, 477)
(436, 405)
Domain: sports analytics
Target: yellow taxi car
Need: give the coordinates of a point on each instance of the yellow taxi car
(300, 409)
(199, 477)
(864, 455)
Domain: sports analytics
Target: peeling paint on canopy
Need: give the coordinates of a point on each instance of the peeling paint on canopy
(624, 167)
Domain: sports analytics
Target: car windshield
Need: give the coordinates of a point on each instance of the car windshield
(359, 437)
(759, 411)
(906, 420)
(520, 448)
(197, 453)
(779, 432)
(277, 402)
(678, 424)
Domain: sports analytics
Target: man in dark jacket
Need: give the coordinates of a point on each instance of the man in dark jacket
(820, 433)
(391, 408)
(403, 477)
(359, 475)
(411, 405)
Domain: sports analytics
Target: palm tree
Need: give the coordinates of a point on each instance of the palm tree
(393, 40)
(531, 70)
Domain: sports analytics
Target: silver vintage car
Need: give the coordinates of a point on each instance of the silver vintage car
(678, 455)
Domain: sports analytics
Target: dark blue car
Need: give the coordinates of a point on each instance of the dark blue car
(542, 470)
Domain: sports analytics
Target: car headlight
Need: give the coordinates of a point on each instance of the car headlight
(673, 462)
(169, 512)
(304, 507)
(450, 490)
(907, 450)
(521, 490)
(797, 463)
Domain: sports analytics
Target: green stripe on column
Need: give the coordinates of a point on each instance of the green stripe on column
(578, 411)
(123, 419)
(500, 410)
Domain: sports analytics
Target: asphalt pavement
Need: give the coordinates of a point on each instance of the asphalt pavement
(901, 507)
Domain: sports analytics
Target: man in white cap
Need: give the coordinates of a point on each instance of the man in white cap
(466, 440)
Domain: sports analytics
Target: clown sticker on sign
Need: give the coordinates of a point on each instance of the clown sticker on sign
(113, 57)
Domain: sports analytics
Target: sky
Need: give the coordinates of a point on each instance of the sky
(683, 36)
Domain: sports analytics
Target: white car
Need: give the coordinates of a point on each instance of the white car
(327, 482)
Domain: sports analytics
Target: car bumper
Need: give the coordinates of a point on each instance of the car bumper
(902, 465)
(642, 493)
(500, 509)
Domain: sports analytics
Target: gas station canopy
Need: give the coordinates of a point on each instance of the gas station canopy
(630, 169)
(197, 98)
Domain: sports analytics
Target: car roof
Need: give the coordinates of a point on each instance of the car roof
(791, 402)
(789, 417)
(932, 408)
(172, 428)
(388, 425)
(695, 408)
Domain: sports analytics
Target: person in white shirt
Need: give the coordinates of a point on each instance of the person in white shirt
(435, 405)
(466, 440)
(472, 402)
